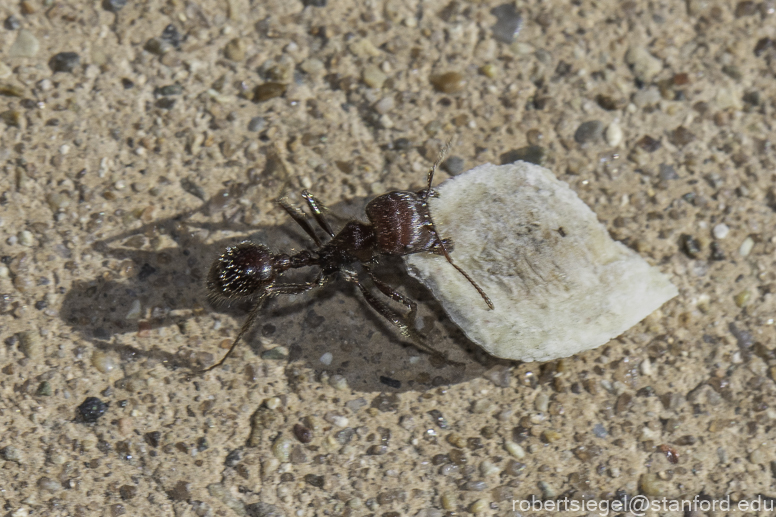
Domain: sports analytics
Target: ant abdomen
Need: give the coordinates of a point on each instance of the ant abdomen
(242, 270)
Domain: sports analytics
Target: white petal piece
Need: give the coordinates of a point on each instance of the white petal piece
(559, 283)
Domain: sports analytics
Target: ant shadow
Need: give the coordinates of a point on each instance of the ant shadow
(329, 329)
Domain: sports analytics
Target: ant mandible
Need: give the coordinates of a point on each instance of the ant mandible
(400, 224)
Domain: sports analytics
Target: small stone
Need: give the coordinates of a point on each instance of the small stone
(113, 6)
(721, 231)
(490, 71)
(65, 62)
(31, 345)
(746, 8)
(11, 453)
(281, 448)
(385, 105)
(763, 45)
(588, 131)
(746, 247)
(313, 480)
(278, 353)
(12, 23)
(364, 48)
(48, 484)
(338, 382)
(647, 97)
(450, 82)
(645, 66)
(235, 49)
(356, 404)
(614, 134)
(743, 298)
(326, 358)
(600, 431)
(453, 165)
(610, 103)
(373, 76)
(335, 419)
(509, 21)
(681, 136)
(667, 172)
(103, 361)
(535, 154)
(298, 456)
(92, 409)
(44, 389)
(267, 91)
(26, 45)
(302, 433)
(343, 437)
(313, 66)
(479, 506)
(377, 450)
(257, 124)
(514, 449)
(127, 492)
(264, 510)
(12, 117)
(180, 492)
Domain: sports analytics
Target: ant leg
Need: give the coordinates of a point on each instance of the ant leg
(301, 219)
(396, 320)
(245, 328)
(271, 291)
(388, 291)
(317, 209)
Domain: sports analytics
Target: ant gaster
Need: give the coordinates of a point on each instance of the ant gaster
(400, 224)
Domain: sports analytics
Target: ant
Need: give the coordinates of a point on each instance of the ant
(400, 224)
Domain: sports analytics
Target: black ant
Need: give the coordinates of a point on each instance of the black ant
(400, 224)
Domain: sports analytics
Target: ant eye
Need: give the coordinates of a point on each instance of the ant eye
(242, 270)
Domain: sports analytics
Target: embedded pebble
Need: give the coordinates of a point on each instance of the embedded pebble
(514, 449)
(25, 45)
(103, 361)
(92, 409)
(721, 231)
(264, 510)
(645, 66)
(335, 419)
(453, 165)
(326, 358)
(281, 447)
(257, 124)
(267, 91)
(12, 453)
(385, 105)
(277, 353)
(589, 131)
(450, 82)
(373, 76)
(26, 238)
(746, 247)
(113, 6)
(509, 21)
(12, 23)
(235, 49)
(31, 344)
(614, 134)
(65, 62)
(338, 382)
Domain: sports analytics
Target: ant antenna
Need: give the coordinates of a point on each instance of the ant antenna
(426, 193)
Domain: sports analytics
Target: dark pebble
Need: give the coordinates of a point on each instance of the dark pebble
(454, 165)
(12, 23)
(117, 510)
(509, 21)
(438, 418)
(391, 383)
(316, 481)
(153, 438)
(146, 270)
(40, 305)
(386, 402)
(649, 144)
(202, 444)
(190, 186)
(267, 91)
(65, 62)
(127, 492)
(514, 468)
(690, 245)
(298, 456)
(762, 46)
(589, 131)
(113, 6)
(746, 8)
(610, 103)
(171, 89)
(180, 492)
(377, 450)
(92, 409)
(264, 510)
(532, 154)
(302, 433)
(623, 404)
(752, 97)
(165, 103)
(716, 252)
(681, 136)
(171, 35)
(128, 84)
(314, 3)
(744, 337)
(402, 144)
(233, 458)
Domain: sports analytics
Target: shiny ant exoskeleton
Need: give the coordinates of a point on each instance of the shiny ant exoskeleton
(400, 224)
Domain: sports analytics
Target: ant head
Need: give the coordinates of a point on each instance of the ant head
(242, 270)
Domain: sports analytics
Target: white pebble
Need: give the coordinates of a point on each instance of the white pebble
(4, 272)
(721, 231)
(64, 149)
(339, 421)
(746, 247)
(514, 449)
(646, 367)
(326, 358)
(613, 134)
(26, 238)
